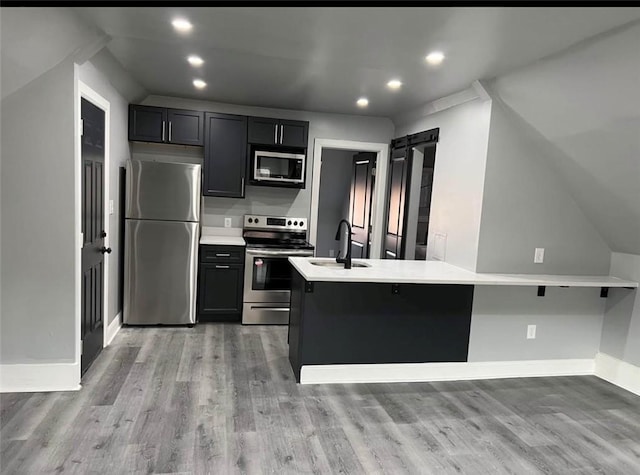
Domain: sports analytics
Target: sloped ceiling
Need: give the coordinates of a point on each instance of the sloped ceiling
(34, 40)
(586, 102)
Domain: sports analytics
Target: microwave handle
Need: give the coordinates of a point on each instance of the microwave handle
(281, 133)
(275, 133)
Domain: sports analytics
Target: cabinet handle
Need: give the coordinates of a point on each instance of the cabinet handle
(169, 131)
(281, 133)
(222, 267)
(223, 255)
(163, 130)
(275, 133)
(242, 184)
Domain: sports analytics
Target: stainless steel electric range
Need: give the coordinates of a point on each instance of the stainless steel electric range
(267, 274)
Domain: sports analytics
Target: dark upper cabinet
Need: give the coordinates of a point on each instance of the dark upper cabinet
(225, 155)
(185, 127)
(147, 124)
(278, 132)
(220, 284)
(161, 125)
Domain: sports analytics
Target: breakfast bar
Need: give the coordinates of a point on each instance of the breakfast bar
(388, 312)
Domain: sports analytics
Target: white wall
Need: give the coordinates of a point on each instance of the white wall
(568, 321)
(268, 200)
(458, 179)
(621, 329)
(334, 197)
(526, 205)
(104, 75)
(37, 221)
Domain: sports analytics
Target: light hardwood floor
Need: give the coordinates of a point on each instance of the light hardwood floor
(222, 399)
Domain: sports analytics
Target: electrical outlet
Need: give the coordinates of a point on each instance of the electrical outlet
(538, 256)
(227, 222)
(332, 252)
(531, 332)
(110, 206)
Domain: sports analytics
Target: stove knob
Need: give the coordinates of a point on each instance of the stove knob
(301, 223)
(289, 223)
(295, 223)
(257, 220)
(251, 220)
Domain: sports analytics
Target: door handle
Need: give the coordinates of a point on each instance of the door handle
(106, 250)
(103, 234)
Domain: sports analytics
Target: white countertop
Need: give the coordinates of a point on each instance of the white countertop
(436, 272)
(222, 236)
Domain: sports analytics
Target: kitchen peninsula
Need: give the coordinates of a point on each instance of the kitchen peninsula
(389, 320)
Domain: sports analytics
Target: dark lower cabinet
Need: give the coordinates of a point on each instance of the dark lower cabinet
(225, 155)
(220, 285)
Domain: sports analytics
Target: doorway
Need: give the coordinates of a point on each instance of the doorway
(336, 174)
(92, 224)
(347, 180)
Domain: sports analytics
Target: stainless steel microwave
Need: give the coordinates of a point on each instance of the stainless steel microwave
(278, 168)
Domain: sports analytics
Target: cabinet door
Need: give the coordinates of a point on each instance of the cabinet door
(264, 131)
(185, 127)
(225, 155)
(220, 292)
(147, 124)
(293, 133)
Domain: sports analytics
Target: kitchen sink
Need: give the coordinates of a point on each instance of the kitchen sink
(336, 265)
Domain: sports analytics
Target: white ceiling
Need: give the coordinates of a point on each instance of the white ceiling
(323, 59)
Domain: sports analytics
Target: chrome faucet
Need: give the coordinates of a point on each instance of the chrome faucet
(347, 255)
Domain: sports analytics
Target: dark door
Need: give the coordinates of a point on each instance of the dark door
(396, 204)
(225, 155)
(293, 133)
(92, 262)
(185, 127)
(147, 123)
(220, 293)
(360, 203)
(264, 131)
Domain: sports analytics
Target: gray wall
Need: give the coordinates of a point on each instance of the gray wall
(37, 221)
(458, 177)
(266, 200)
(333, 201)
(526, 205)
(621, 329)
(569, 323)
(104, 75)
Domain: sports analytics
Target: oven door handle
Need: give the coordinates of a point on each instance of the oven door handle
(287, 253)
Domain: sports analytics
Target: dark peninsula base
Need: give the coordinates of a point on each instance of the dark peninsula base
(364, 323)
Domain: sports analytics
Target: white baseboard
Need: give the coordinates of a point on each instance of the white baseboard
(34, 378)
(618, 372)
(113, 328)
(420, 372)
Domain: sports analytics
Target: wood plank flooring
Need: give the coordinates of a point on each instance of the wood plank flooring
(221, 399)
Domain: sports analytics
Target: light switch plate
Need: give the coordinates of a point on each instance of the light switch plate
(531, 332)
(538, 256)
(110, 206)
(227, 222)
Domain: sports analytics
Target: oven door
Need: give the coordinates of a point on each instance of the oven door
(278, 167)
(267, 275)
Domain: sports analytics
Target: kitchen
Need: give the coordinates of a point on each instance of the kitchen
(483, 151)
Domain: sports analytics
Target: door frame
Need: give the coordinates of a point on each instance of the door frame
(382, 165)
(83, 91)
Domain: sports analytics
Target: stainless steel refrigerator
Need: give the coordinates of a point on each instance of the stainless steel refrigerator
(162, 229)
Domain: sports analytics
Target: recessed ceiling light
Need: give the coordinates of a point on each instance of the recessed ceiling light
(394, 84)
(362, 102)
(199, 83)
(182, 25)
(435, 58)
(195, 60)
